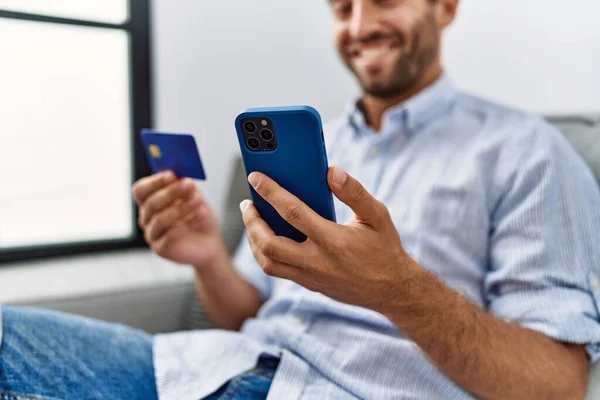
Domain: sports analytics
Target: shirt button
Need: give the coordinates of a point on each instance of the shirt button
(374, 150)
(594, 283)
(300, 320)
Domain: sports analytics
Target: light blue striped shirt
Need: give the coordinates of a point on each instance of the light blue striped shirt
(493, 201)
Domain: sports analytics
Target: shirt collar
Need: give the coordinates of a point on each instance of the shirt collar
(410, 115)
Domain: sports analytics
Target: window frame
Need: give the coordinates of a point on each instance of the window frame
(137, 26)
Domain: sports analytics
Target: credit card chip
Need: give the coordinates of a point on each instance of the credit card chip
(155, 151)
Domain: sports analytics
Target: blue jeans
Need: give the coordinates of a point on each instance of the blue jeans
(46, 355)
(252, 385)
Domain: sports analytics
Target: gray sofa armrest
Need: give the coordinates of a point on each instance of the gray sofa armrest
(157, 309)
(584, 134)
(593, 390)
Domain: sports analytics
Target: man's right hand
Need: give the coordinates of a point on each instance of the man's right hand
(177, 221)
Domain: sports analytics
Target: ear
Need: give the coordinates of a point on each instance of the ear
(446, 11)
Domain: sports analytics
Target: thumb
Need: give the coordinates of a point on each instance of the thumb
(354, 195)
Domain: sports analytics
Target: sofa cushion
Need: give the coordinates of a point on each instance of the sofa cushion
(584, 133)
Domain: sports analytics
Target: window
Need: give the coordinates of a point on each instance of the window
(75, 90)
(110, 11)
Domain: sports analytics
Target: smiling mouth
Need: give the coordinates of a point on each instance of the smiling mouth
(373, 52)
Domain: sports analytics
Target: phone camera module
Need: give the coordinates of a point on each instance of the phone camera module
(249, 127)
(266, 134)
(253, 143)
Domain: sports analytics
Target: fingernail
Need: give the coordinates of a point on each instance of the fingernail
(339, 175)
(253, 179)
(194, 201)
(244, 205)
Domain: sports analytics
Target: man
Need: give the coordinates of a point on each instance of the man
(467, 265)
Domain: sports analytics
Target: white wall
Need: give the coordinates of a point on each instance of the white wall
(215, 58)
(541, 55)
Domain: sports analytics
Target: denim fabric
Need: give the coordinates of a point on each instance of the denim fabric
(252, 385)
(50, 355)
(47, 355)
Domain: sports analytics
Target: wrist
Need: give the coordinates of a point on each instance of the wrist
(217, 256)
(421, 301)
(408, 287)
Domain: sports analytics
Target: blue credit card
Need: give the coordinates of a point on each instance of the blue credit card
(174, 152)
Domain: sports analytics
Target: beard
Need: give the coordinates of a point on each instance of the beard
(410, 67)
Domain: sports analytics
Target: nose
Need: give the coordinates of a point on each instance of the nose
(363, 22)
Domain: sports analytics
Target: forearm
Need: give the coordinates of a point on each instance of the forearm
(489, 357)
(225, 296)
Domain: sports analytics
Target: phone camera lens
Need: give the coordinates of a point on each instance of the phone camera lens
(266, 134)
(249, 127)
(253, 143)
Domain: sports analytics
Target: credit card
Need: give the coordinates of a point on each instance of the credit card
(174, 152)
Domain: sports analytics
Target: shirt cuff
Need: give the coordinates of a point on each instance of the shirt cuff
(567, 315)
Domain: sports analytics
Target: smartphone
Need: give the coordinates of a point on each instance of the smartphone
(287, 144)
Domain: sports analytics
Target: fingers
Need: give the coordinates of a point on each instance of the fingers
(294, 211)
(269, 249)
(276, 269)
(354, 195)
(150, 184)
(164, 197)
(162, 222)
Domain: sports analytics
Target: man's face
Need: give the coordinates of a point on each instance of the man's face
(387, 44)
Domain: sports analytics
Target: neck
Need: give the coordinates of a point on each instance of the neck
(375, 107)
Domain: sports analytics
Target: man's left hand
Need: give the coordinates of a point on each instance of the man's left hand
(361, 262)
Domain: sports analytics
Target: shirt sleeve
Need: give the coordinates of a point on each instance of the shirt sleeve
(545, 242)
(247, 266)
